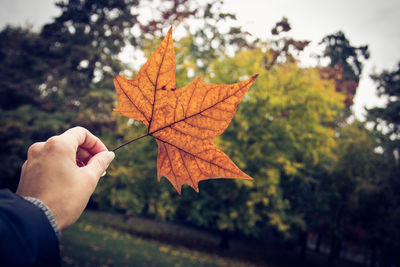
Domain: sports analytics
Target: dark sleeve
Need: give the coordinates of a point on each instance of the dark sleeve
(26, 236)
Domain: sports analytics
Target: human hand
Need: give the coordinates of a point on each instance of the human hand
(52, 175)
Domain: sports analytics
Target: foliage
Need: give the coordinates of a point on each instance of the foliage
(314, 171)
(277, 130)
(345, 65)
(184, 121)
(24, 115)
(340, 52)
(345, 192)
(63, 73)
(388, 86)
(57, 78)
(283, 49)
(387, 121)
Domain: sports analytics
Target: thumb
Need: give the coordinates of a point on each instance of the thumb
(98, 164)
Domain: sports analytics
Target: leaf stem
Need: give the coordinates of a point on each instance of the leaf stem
(127, 143)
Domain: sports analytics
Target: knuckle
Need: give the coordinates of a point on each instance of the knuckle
(53, 139)
(53, 143)
(80, 128)
(34, 149)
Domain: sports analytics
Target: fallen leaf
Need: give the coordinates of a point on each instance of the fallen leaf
(183, 121)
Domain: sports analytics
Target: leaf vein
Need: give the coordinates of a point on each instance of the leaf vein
(170, 164)
(120, 87)
(184, 164)
(194, 155)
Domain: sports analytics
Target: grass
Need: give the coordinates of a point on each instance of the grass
(109, 239)
(90, 242)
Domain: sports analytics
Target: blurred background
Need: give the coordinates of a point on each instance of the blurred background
(318, 130)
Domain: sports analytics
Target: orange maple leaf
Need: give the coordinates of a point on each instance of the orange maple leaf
(183, 121)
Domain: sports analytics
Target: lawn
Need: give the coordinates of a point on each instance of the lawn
(91, 242)
(110, 239)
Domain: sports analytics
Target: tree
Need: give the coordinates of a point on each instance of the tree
(388, 86)
(387, 120)
(62, 76)
(347, 189)
(133, 186)
(83, 44)
(59, 77)
(23, 116)
(345, 65)
(283, 49)
(282, 128)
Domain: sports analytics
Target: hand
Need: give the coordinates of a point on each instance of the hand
(52, 175)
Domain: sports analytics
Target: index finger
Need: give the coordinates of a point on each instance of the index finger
(81, 137)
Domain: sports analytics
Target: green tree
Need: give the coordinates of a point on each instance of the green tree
(347, 189)
(280, 134)
(387, 120)
(388, 86)
(59, 77)
(24, 117)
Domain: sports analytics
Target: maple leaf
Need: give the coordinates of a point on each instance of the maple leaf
(183, 121)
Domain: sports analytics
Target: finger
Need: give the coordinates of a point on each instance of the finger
(98, 164)
(83, 155)
(81, 137)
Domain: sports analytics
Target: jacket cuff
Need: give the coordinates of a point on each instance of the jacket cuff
(50, 216)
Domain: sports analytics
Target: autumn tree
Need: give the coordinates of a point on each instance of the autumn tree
(345, 65)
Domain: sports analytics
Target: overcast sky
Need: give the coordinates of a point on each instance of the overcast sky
(372, 22)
